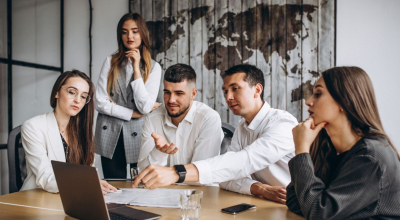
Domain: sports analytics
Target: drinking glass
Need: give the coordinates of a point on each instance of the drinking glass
(190, 202)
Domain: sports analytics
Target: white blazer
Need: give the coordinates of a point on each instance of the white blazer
(42, 143)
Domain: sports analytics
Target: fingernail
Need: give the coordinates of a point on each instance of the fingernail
(326, 123)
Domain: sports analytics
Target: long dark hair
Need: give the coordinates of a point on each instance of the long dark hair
(352, 89)
(119, 56)
(80, 126)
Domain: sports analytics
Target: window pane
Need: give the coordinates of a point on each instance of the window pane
(3, 28)
(31, 92)
(3, 104)
(36, 31)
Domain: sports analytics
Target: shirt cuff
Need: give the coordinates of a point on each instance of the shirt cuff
(122, 112)
(205, 172)
(158, 155)
(138, 87)
(246, 185)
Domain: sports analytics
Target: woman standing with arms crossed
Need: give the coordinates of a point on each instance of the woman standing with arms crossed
(126, 91)
(64, 134)
(345, 165)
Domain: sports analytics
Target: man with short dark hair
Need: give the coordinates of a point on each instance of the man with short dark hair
(185, 130)
(257, 159)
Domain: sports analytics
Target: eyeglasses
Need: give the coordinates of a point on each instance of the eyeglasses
(72, 93)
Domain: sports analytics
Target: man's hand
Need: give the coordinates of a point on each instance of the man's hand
(155, 176)
(162, 144)
(274, 193)
(106, 187)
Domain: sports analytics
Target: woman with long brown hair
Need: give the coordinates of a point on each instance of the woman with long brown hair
(64, 134)
(345, 165)
(127, 90)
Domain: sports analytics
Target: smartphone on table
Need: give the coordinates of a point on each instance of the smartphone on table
(238, 208)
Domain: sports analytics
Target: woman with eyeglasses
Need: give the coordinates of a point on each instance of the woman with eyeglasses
(64, 134)
(127, 90)
(345, 165)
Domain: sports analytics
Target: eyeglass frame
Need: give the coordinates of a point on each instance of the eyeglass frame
(74, 96)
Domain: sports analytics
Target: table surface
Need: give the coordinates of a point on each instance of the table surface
(38, 204)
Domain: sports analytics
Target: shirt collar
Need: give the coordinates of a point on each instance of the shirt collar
(259, 117)
(189, 116)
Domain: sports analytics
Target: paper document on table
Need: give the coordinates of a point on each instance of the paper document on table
(167, 198)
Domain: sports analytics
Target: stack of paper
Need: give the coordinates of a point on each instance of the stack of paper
(168, 198)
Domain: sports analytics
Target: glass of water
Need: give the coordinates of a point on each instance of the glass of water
(191, 204)
(134, 173)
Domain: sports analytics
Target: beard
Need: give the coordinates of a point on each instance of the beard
(178, 113)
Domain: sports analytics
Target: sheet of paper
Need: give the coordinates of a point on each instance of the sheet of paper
(167, 198)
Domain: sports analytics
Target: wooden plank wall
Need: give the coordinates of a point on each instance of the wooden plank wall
(291, 41)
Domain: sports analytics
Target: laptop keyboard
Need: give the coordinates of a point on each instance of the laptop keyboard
(115, 216)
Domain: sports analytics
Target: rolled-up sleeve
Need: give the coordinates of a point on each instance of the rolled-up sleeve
(103, 103)
(145, 94)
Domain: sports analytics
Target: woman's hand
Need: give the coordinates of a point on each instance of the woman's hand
(305, 133)
(106, 187)
(134, 55)
(155, 106)
(137, 114)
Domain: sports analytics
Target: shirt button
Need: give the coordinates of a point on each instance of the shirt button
(133, 101)
(104, 127)
(111, 94)
(134, 134)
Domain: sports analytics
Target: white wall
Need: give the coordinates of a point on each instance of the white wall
(106, 15)
(36, 39)
(368, 34)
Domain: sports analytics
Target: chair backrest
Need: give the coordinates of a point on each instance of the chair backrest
(228, 134)
(16, 160)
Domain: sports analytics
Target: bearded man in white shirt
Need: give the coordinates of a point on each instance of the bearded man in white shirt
(192, 128)
(257, 159)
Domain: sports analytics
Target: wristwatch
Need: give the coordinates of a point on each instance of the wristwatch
(181, 171)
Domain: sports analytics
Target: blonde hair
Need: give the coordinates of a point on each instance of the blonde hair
(119, 56)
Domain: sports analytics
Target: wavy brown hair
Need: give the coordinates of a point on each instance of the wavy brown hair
(80, 126)
(352, 89)
(119, 56)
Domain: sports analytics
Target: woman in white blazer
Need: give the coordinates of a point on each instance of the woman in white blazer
(64, 134)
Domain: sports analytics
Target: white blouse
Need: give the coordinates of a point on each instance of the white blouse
(144, 94)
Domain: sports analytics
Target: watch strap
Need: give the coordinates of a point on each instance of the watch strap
(181, 171)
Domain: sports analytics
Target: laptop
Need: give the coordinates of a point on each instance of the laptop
(82, 197)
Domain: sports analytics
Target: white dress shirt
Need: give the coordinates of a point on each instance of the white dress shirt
(144, 94)
(259, 152)
(197, 137)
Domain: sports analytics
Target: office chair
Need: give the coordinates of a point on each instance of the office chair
(16, 160)
(228, 134)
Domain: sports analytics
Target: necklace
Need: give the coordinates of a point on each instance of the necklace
(61, 130)
(349, 146)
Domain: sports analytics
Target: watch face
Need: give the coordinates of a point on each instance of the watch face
(180, 168)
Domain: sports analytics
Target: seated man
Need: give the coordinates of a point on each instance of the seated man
(193, 128)
(257, 159)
